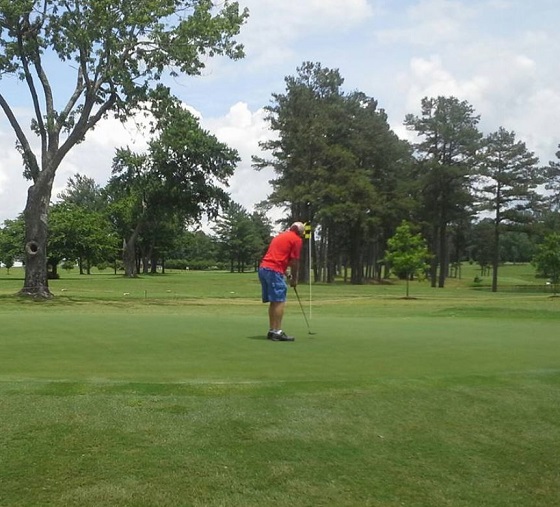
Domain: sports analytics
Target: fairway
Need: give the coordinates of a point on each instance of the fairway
(171, 396)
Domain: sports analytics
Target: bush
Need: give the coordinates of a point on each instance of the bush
(202, 265)
(197, 265)
(68, 265)
(176, 264)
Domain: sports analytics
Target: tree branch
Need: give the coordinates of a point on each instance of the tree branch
(32, 91)
(30, 158)
(84, 124)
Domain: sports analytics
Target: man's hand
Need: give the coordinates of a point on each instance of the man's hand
(293, 281)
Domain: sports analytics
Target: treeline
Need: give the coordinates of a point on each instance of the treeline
(88, 223)
(140, 219)
(339, 166)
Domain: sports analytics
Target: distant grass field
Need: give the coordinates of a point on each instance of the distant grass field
(162, 391)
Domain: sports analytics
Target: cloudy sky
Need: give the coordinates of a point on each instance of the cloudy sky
(502, 56)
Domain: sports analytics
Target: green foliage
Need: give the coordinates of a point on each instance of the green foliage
(114, 52)
(12, 239)
(79, 234)
(553, 182)
(338, 165)
(509, 178)
(84, 192)
(448, 129)
(242, 237)
(195, 246)
(180, 178)
(481, 248)
(547, 259)
(407, 254)
(68, 265)
(516, 246)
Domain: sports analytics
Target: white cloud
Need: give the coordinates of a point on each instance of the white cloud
(274, 28)
(430, 22)
(243, 130)
(499, 55)
(12, 184)
(239, 128)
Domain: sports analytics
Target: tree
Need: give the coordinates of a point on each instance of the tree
(239, 236)
(79, 228)
(446, 158)
(547, 259)
(12, 236)
(509, 178)
(182, 174)
(197, 249)
(517, 246)
(553, 182)
(263, 230)
(336, 159)
(79, 234)
(83, 192)
(481, 249)
(157, 240)
(407, 254)
(116, 51)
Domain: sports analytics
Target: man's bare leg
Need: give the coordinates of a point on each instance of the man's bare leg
(275, 315)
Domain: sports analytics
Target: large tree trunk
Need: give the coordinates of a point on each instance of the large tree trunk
(36, 230)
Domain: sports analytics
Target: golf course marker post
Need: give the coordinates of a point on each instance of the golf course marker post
(308, 232)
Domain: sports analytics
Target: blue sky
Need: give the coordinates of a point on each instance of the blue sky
(499, 55)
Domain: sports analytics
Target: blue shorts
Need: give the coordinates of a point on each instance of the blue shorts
(274, 288)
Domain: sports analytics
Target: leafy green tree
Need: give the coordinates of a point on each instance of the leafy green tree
(517, 246)
(552, 173)
(407, 254)
(263, 231)
(157, 240)
(509, 179)
(79, 234)
(83, 192)
(182, 173)
(335, 159)
(12, 238)
(197, 248)
(448, 129)
(481, 248)
(82, 231)
(116, 51)
(8, 262)
(547, 259)
(239, 238)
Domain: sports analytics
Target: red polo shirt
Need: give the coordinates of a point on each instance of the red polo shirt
(283, 248)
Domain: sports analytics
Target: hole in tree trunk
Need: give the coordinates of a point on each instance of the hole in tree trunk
(32, 248)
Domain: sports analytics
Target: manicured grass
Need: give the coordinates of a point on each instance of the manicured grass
(170, 396)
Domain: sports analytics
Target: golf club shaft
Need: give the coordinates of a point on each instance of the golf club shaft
(302, 310)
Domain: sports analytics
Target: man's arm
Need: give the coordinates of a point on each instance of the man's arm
(294, 266)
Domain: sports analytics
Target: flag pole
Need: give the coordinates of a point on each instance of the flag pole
(308, 236)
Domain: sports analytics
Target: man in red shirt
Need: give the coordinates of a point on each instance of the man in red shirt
(283, 253)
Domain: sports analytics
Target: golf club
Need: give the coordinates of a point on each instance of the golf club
(303, 311)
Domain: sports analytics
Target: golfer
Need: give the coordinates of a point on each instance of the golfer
(283, 253)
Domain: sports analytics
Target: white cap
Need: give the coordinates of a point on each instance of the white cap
(298, 227)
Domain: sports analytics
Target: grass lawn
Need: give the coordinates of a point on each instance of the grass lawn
(162, 391)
